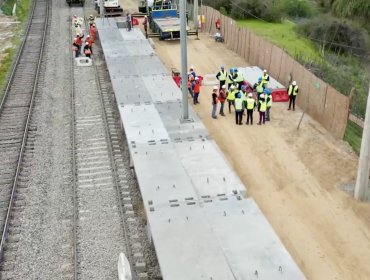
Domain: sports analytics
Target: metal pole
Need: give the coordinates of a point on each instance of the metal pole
(184, 60)
(196, 23)
(364, 161)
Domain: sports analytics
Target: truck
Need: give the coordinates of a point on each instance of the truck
(111, 7)
(164, 20)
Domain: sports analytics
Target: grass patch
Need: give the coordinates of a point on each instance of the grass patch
(353, 136)
(22, 12)
(284, 36)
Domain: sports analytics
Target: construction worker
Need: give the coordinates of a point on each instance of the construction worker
(239, 78)
(221, 76)
(91, 20)
(145, 24)
(88, 39)
(87, 50)
(78, 42)
(128, 21)
(191, 85)
(191, 70)
(196, 90)
(214, 102)
(222, 99)
(259, 87)
(292, 92)
(93, 32)
(229, 79)
(262, 109)
(76, 47)
(265, 78)
(250, 105)
(268, 98)
(75, 20)
(231, 97)
(238, 109)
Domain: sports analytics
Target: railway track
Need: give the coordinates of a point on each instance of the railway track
(17, 131)
(102, 229)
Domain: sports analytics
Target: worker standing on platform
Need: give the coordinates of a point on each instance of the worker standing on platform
(265, 79)
(222, 99)
(238, 109)
(87, 50)
(191, 70)
(292, 92)
(128, 21)
(250, 104)
(268, 97)
(239, 78)
(145, 24)
(221, 76)
(93, 32)
(214, 102)
(262, 109)
(196, 90)
(231, 97)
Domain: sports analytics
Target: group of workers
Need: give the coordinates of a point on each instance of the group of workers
(78, 44)
(240, 95)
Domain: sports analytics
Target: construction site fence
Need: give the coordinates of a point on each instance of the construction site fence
(318, 99)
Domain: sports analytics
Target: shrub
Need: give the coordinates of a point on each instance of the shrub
(268, 10)
(297, 8)
(339, 36)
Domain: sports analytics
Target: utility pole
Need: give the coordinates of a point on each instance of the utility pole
(184, 60)
(196, 23)
(362, 181)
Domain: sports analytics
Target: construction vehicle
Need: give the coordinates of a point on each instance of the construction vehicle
(76, 2)
(111, 7)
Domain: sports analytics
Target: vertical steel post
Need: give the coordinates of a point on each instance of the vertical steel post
(184, 60)
(364, 161)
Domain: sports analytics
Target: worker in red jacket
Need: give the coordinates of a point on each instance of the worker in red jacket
(87, 50)
(93, 32)
(218, 24)
(89, 40)
(222, 98)
(196, 90)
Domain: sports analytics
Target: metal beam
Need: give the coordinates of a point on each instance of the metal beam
(184, 61)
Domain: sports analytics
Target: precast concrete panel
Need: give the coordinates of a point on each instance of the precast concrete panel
(137, 48)
(106, 23)
(162, 88)
(134, 35)
(171, 113)
(210, 172)
(250, 244)
(142, 123)
(251, 74)
(185, 244)
(149, 65)
(130, 90)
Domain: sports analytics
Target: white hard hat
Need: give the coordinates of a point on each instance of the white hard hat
(294, 83)
(78, 34)
(265, 71)
(191, 67)
(262, 96)
(215, 88)
(224, 86)
(196, 78)
(250, 94)
(232, 86)
(87, 43)
(87, 36)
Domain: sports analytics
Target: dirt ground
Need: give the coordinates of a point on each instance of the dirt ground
(292, 174)
(7, 29)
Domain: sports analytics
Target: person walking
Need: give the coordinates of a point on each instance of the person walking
(191, 85)
(238, 109)
(128, 21)
(196, 90)
(262, 109)
(268, 97)
(222, 99)
(251, 104)
(292, 92)
(145, 24)
(214, 102)
(221, 76)
(231, 97)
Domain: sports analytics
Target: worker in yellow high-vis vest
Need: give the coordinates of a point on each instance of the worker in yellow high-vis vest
(265, 78)
(222, 76)
(262, 106)
(231, 97)
(250, 104)
(268, 98)
(292, 92)
(239, 108)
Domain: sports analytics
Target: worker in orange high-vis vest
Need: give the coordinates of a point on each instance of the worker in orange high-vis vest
(93, 32)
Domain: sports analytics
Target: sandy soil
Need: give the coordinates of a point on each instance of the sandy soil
(292, 174)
